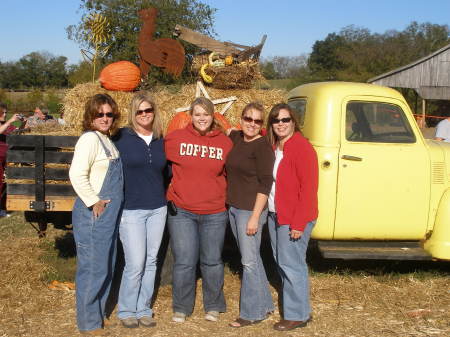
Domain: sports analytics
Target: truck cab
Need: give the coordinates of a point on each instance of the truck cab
(383, 188)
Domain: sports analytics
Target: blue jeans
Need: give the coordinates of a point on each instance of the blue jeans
(290, 256)
(141, 232)
(193, 237)
(256, 300)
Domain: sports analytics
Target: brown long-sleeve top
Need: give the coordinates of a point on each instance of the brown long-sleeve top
(249, 169)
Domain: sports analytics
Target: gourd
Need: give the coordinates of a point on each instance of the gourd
(120, 76)
(228, 60)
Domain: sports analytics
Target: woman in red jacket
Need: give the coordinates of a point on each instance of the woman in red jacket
(292, 212)
(197, 214)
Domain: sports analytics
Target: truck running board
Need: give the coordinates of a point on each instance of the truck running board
(377, 250)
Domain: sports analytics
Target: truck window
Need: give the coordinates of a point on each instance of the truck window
(377, 122)
(299, 107)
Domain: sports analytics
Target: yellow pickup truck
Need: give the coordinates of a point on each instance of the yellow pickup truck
(383, 189)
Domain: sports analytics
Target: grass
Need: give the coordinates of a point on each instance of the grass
(59, 255)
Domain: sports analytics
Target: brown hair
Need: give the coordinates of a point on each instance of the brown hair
(274, 112)
(136, 101)
(92, 107)
(255, 106)
(206, 104)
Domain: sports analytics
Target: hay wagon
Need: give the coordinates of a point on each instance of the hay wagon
(38, 177)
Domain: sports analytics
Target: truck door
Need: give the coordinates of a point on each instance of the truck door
(383, 179)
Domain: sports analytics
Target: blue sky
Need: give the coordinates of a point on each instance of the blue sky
(292, 26)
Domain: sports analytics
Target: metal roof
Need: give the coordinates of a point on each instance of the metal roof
(429, 76)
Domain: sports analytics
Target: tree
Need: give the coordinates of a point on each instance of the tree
(125, 24)
(355, 54)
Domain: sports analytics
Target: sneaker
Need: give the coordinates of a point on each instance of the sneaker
(212, 316)
(130, 322)
(179, 317)
(147, 321)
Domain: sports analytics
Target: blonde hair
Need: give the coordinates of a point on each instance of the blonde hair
(136, 101)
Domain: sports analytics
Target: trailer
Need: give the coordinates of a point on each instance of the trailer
(38, 174)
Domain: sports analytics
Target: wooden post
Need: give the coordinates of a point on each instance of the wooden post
(423, 113)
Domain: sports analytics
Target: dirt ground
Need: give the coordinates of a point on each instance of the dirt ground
(364, 299)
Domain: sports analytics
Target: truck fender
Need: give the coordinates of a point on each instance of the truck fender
(437, 241)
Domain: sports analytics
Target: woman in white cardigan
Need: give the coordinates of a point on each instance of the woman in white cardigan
(96, 176)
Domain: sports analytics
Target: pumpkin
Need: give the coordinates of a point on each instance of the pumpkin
(223, 122)
(182, 119)
(179, 121)
(120, 76)
(228, 60)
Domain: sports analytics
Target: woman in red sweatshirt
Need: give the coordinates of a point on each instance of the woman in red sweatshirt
(292, 212)
(197, 214)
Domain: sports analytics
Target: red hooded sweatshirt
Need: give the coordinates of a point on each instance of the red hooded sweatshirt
(198, 166)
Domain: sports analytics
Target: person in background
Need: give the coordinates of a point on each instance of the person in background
(443, 130)
(141, 229)
(293, 212)
(249, 169)
(38, 118)
(197, 213)
(47, 115)
(6, 127)
(60, 119)
(96, 176)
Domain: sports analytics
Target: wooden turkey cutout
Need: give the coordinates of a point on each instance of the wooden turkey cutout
(165, 53)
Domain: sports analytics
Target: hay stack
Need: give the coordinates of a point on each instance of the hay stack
(167, 102)
(237, 76)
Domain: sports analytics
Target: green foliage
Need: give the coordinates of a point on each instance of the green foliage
(4, 98)
(81, 73)
(35, 98)
(53, 102)
(355, 54)
(34, 70)
(125, 26)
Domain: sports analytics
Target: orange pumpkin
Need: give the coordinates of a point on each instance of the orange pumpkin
(179, 121)
(223, 122)
(120, 76)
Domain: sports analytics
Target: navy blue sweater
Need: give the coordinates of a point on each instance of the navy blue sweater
(144, 168)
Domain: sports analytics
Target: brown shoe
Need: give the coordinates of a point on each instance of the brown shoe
(286, 325)
(147, 321)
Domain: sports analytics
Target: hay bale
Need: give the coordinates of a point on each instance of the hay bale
(236, 76)
(167, 102)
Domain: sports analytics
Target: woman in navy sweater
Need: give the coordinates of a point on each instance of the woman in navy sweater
(141, 148)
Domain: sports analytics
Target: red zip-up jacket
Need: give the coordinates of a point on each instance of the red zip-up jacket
(198, 166)
(296, 184)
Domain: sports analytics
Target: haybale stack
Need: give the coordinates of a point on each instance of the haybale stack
(167, 102)
(236, 76)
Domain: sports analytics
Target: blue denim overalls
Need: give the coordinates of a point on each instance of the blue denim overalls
(96, 248)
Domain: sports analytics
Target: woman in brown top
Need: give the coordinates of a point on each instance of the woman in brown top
(249, 174)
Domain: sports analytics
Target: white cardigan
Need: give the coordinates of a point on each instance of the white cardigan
(89, 166)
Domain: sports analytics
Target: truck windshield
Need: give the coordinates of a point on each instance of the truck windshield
(377, 123)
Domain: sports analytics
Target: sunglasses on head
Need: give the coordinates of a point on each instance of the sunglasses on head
(102, 114)
(249, 120)
(147, 111)
(278, 120)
